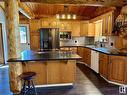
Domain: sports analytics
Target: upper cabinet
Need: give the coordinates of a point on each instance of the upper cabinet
(64, 25)
(102, 25)
(87, 29)
(75, 28)
(107, 24)
(84, 28)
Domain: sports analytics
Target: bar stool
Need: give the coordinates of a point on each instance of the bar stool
(28, 84)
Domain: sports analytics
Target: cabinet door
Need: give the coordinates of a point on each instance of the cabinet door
(117, 68)
(65, 26)
(84, 29)
(109, 32)
(87, 56)
(103, 65)
(81, 52)
(61, 71)
(76, 28)
(91, 29)
(107, 24)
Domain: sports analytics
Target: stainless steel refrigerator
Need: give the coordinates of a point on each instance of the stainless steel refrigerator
(49, 38)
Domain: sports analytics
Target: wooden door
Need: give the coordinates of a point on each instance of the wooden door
(1, 46)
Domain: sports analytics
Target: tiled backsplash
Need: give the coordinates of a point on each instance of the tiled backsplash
(73, 42)
(107, 41)
(77, 41)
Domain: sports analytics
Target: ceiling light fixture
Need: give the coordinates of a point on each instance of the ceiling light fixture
(65, 14)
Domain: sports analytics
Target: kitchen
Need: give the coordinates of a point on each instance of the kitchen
(94, 37)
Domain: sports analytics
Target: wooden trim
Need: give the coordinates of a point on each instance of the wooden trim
(2, 44)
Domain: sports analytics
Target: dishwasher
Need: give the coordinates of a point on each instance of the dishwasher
(95, 61)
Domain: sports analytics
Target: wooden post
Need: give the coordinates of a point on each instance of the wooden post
(12, 23)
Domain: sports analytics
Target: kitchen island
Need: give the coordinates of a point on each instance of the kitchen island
(52, 67)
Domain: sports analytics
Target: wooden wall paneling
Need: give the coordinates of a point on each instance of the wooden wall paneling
(35, 25)
(1, 46)
(40, 69)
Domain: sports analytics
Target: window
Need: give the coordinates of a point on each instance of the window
(23, 34)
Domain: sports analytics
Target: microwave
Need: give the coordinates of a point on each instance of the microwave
(65, 35)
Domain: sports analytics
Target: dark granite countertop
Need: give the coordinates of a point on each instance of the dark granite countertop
(29, 55)
(108, 51)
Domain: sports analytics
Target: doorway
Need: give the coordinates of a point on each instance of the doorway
(24, 37)
(1, 46)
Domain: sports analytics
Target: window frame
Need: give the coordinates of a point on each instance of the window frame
(27, 32)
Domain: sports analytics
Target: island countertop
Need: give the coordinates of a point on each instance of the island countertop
(29, 55)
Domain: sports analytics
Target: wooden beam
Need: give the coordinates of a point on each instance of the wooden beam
(82, 2)
(13, 36)
(25, 10)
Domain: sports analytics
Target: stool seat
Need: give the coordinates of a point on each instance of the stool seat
(28, 85)
(27, 75)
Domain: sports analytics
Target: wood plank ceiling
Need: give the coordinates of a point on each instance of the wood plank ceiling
(47, 10)
(81, 2)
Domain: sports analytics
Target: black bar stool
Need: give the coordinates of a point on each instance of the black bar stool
(28, 84)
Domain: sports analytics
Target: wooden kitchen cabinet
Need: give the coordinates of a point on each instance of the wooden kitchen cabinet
(84, 28)
(75, 28)
(107, 24)
(87, 56)
(91, 29)
(87, 29)
(81, 52)
(103, 64)
(118, 69)
(65, 26)
(58, 71)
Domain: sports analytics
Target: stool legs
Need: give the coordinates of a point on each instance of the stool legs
(34, 88)
(28, 86)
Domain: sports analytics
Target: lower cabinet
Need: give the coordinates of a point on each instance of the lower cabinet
(111, 67)
(85, 53)
(87, 56)
(81, 52)
(118, 69)
(103, 65)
